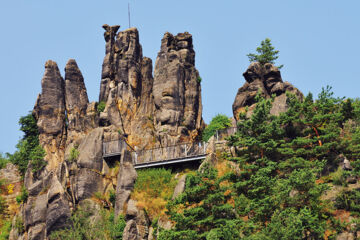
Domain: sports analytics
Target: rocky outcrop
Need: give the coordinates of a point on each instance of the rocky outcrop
(267, 80)
(126, 87)
(177, 90)
(49, 112)
(76, 98)
(144, 111)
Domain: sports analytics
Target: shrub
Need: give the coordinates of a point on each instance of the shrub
(218, 122)
(19, 224)
(5, 230)
(348, 200)
(81, 227)
(23, 195)
(101, 106)
(112, 197)
(74, 154)
(28, 148)
(2, 205)
(199, 79)
(153, 188)
(3, 161)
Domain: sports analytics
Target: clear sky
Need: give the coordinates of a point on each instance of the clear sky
(318, 42)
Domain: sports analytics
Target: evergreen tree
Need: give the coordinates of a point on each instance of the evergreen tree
(267, 53)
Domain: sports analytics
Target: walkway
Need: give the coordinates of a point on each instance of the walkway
(185, 152)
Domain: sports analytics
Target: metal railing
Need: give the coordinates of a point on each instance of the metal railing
(222, 133)
(180, 151)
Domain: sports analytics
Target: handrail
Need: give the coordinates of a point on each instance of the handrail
(183, 150)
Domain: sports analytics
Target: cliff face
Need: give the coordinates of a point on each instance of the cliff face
(143, 110)
(266, 79)
(177, 90)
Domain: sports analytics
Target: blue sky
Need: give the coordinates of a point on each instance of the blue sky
(318, 43)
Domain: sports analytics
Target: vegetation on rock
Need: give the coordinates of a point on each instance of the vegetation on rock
(276, 194)
(266, 53)
(153, 189)
(85, 226)
(28, 148)
(218, 122)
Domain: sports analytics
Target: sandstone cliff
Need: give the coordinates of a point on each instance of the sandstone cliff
(142, 110)
(266, 79)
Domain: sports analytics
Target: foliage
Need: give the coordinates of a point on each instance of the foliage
(203, 210)
(199, 79)
(5, 227)
(112, 197)
(81, 227)
(19, 224)
(275, 193)
(22, 198)
(2, 205)
(74, 154)
(3, 160)
(349, 200)
(101, 106)
(266, 53)
(153, 188)
(28, 148)
(218, 122)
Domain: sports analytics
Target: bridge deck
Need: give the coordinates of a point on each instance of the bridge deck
(169, 161)
(185, 152)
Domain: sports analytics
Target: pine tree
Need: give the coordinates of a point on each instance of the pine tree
(267, 53)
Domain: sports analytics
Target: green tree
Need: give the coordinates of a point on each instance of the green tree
(266, 53)
(203, 210)
(28, 148)
(218, 122)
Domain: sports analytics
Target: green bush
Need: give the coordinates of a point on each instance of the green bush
(28, 148)
(112, 197)
(23, 195)
(74, 154)
(349, 200)
(101, 106)
(82, 229)
(5, 230)
(218, 122)
(19, 224)
(199, 79)
(3, 161)
(2, 205)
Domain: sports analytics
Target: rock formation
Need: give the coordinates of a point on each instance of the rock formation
(266, 79)
(144, 111)
(177, 92)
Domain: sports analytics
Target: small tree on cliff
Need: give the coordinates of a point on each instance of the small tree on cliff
(267, 53)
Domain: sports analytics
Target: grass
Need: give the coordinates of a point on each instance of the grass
(5, 227)
(153, 189)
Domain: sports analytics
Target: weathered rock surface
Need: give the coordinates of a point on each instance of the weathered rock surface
(177, 90)
(180, 187)
(76, 98)
(125, 182)
(266, 79)
(143, 111)
(49, 112)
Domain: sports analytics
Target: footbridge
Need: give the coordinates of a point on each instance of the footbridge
(180, 153)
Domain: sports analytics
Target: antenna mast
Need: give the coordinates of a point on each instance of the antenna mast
(129, 14)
